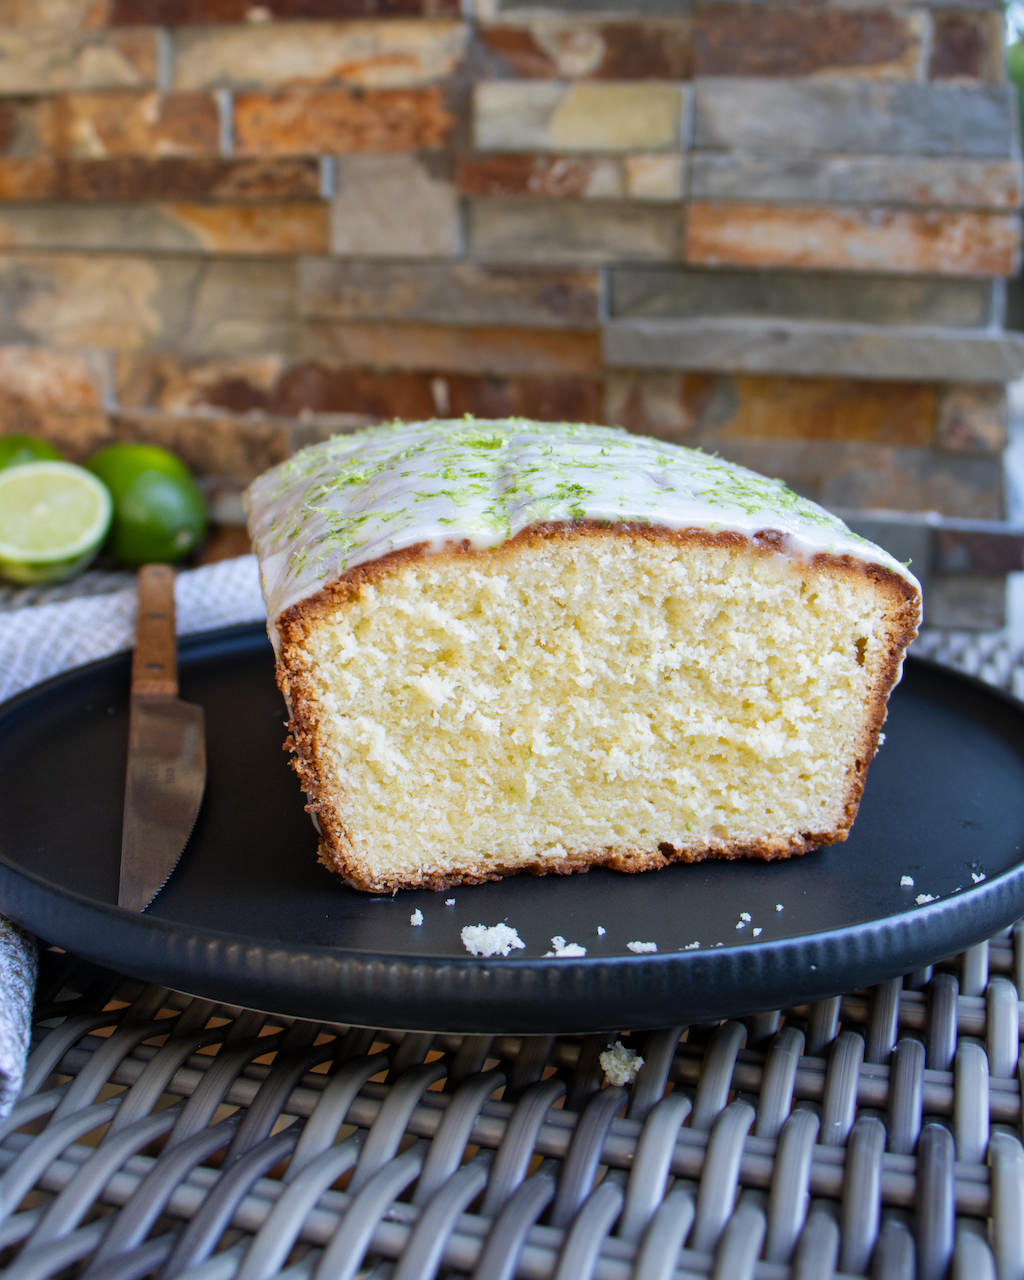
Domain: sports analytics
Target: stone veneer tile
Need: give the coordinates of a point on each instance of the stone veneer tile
(40, 60)
(787, 40)
(125, 178)
(68, 15)
(863, 475)
(764, 114)
(301, 121)
(492, 10)
(314, 387)
(842, 179)
(557, 399)
(460, 293)
(29, 127)
(453, 348)
(77, 433)
(648, 401)
(973, 419)
(238, 306)
(655, 175)
(325, 388)
(840, 474)
(395, 206)
(855, 238)
(206, 228)
(567, 231)
(46, 380)
(172, 383)
(28, 177)
(551, 47)
(811, 349)
(970, 550)
(209, 445)
(883, 412)
(557, 177)
(777, 408)
(84, 301)
(799, 295)
(117, 123)
(122, 179)
(911, 479)
(392, 53)
(515, 115)
(967, 48)
(250, 229)
(962, 602)
(174, 13)
(122, 302)
(870, 6)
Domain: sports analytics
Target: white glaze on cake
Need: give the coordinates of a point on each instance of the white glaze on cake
(357, 497)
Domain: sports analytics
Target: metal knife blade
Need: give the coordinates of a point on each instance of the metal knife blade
(166, 773)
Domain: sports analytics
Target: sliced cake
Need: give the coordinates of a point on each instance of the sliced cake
(510, 646)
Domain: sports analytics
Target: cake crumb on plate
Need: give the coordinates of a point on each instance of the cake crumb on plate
(416, 918)
(906, 882)
(561, 948)
(491, 940)
(642, 948)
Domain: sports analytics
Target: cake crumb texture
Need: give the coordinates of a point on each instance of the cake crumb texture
(619, 1064)
(581, 697)
(565, 950)
(491, 940)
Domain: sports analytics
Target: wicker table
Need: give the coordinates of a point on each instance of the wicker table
(875, 1133)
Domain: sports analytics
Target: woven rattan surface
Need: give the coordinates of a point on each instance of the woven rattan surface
(874, 1134)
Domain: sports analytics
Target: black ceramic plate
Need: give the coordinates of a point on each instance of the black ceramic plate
(250, 918)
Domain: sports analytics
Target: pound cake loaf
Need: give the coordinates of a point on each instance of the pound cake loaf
(509, 646)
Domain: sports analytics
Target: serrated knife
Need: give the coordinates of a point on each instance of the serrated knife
(166, 773)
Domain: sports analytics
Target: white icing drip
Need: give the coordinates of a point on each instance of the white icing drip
(357, 497)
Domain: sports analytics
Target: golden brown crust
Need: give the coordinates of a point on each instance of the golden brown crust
(630, 861)
(335, 851)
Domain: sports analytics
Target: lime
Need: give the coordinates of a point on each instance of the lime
(53, 519)
(16, 450)
(159, 513)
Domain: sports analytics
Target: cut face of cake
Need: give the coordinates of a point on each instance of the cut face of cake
(509, 646)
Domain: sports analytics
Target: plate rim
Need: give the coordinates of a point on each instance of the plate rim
(999, 897)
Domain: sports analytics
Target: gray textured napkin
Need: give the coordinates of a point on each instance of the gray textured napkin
(42, 640)
(17, 985)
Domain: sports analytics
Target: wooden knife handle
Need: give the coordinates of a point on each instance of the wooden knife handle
(155, 661)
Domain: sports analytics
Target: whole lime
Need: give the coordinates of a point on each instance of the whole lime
(16, 450)
(159, 512)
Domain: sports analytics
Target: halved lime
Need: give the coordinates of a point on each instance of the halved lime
(53, 519)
